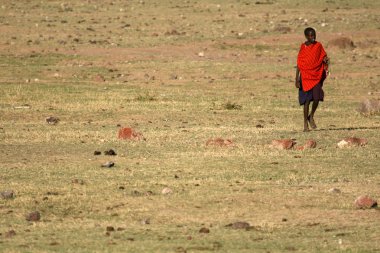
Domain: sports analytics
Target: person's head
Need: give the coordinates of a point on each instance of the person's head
(310, 34)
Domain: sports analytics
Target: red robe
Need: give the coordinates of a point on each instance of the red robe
(310, 63)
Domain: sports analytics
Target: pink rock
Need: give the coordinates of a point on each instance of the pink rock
(365, 202)
(127, 133)
(220, 142)
(352, 142)
(309, 144)
(283, 144)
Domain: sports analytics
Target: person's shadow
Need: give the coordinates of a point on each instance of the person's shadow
(346, 128)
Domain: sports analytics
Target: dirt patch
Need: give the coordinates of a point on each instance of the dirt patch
(342, 43)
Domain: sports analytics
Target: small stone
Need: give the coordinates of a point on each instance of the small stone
(166, 191)
(9, 194)
(334, 190)
(52, 120)
(77, 181)
(110, 152)
(365, 202)
(145, 221)
(110, 229)
(33, 216)
(201, 54)
(204, 230)
(96, 152)
(108, 164)
(239, 225)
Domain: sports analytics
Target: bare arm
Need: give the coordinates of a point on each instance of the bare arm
(298, 85)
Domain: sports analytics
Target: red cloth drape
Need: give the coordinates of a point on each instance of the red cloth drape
(310, 64)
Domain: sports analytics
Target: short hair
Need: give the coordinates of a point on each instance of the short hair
(309, 30)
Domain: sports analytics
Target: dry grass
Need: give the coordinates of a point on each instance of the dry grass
(52, 55)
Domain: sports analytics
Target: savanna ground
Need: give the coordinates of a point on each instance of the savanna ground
(182, 72)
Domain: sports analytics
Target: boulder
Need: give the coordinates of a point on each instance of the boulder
(365, 202)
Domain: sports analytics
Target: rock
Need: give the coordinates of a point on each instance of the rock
(110, 229)
(33, 216)
(342, 43)
(77, 181)
(108, 164)
(52, 120)
(352, 142)
(334, 190)
(239, 225)
(127, 133)
(201, 54)
(283, 144)
(97, 152)
(10, 233)
(109, 152)
(369, 106)
(219, 142)
(9, 194)
(309, 144)
(166, 191)
(145, 221)
(204, 230)
(365, 202)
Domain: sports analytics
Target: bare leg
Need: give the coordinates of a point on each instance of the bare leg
(306, 116)
(311, 116)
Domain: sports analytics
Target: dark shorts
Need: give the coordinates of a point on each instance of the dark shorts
(315, 94)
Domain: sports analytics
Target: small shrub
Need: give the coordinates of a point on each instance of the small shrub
(146, 97)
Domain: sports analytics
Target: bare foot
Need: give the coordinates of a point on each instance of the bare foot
(306, 127)
(312, 122)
